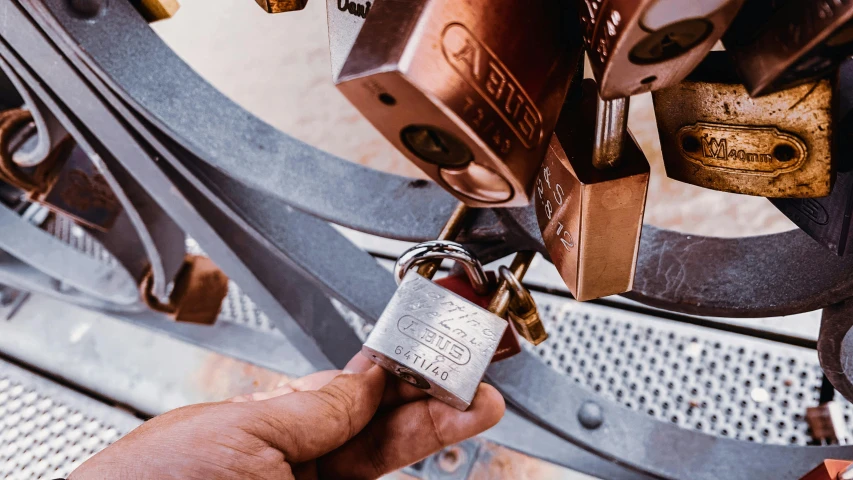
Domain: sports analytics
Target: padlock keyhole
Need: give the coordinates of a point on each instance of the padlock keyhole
(436, 146)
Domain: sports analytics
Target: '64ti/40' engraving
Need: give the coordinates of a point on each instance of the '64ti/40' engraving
(486, 74)
(440, 342)
(558, 195)
(753, 150)
(420, 362)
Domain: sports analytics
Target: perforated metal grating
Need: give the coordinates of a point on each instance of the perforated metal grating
(720, 383)
(47, 430)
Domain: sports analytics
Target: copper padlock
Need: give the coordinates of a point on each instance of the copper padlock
(829, 470)
(200, 288)
(468, 91)
(778, 44)
(77, 189)
(714, 135)
(637, 46)
(827, 219)
(460, 285)
(590, 206)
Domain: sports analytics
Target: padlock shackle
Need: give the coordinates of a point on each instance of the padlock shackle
(521, 294)
(611, 125)
(443, 249)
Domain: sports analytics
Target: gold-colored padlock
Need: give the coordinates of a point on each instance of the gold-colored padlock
(280, 6)
(638, 46)
(523, 312)
(197, 295)
(778, 44)
(156, 10)
(469, 91)
(715, 136)
(591, 196)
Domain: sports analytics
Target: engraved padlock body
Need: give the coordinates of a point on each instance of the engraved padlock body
(827, 219)
(591, 219)
(435, 340)
(468, 91)
(637, 46)
(81, 192)
(714, 135)
(460, 285)
(779, 44)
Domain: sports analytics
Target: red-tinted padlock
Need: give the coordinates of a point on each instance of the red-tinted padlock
(828, 470)
(459, 284)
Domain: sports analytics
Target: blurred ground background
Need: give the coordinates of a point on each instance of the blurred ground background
(277, 67)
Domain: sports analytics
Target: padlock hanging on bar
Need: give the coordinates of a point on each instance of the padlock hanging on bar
(637, 46)
(468, 91)
(432, 338)
(591, 196)
(827, 219)
(714, 135)
(779, 44)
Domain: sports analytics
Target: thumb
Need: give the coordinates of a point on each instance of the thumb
(306, 425)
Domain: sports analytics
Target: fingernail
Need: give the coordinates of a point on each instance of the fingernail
(358, 364)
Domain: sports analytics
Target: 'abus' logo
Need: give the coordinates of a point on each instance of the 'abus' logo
(482, 69)
(438, 341)
(765, 151)
(354, 8)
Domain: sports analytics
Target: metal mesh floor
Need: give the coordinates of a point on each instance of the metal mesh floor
(47, 430)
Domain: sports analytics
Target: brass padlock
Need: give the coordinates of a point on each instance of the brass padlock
(638, 46)
(280, 6)
(827, 424)
(591, 199)
(827, 219)
(197, 295)
(432, 338)
(77, 189)
(715, 136)
(468, 91)
(778, 44)
(523, 312)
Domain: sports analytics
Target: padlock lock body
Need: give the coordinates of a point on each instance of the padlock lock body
(435, 340)
(529, 325)
(468, 91)
(637, 46)
(77, 189)
(827, 470)
(200, 288)
(714, 135)
(459, 284)
(827, 219)
(591, 219)
(778, 44)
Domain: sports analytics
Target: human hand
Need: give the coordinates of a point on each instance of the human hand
(360, 423)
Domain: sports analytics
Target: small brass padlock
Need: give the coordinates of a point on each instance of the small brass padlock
(778, 44)
(523, 312)
(590, 209)
(715, 136)
(827, 219)
(638, 46)
(432, 338)
(468, 91)
(197, 294)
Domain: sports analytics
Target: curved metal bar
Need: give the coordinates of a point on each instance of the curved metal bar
(835, 346)
(757, 276)
(42, 251)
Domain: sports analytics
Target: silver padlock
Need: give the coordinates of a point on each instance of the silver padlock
(432, 338)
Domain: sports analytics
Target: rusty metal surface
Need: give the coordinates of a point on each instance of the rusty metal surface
(714, 135)
(280, 6)
(641, 46)
(469, 94)
(590, 218)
